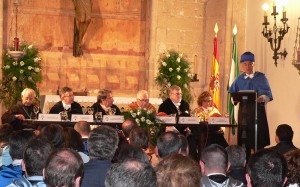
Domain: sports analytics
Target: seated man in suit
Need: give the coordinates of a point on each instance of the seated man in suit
(22, 110)
(105, 104)
(142, 101)
(67, 103)
(214, 165)
(284, 139)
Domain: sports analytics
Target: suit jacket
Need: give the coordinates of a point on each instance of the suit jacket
(168, 107)
(283, 147)
(97, 108)
(58, 107)
(95, 173)
(211, 181)
(19, 108)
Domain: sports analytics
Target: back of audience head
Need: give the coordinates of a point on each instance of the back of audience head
(102, 143)
(129, 152)
(73, 139)
(236, 156)
(35, 156)
(5, 132)
(64, 167)
(176, 170)
(293, 163)
(285, 133)
(55, 134)
(214, 159)
(139, 137)
(18, 141)
(83, 128)
(127, 126)
(185, 150)
(130, 173)
(168, 143)
(266, 168)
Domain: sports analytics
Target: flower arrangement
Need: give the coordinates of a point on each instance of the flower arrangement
(20, 74)
(145, 119)
(174, 69)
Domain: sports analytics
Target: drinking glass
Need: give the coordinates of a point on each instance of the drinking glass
(36, 110)
(90, 110)
(64, 115)
(98, 116)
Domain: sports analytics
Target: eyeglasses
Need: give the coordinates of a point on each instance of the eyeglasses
(178, 94)
(144, 100)
(207, 101)
(68, 95)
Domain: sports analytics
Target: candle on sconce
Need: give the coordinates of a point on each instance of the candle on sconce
(16, 43)
(283, 12)
(195, 64)
(274, 7)
(265, 7)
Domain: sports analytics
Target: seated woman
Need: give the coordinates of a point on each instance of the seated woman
(203, 112)
(105, 104)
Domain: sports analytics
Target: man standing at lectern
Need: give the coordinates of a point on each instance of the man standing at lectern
(257, 81)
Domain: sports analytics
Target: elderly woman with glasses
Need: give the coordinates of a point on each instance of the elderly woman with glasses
(204, 111)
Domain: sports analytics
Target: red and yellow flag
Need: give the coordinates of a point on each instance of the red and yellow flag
(214, 85)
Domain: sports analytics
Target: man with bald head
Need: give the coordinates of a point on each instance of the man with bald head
(22, 110)
(84, 129)
(142, 101)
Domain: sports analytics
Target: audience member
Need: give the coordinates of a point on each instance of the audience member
(67, 103)
(105, 104)
(64, 167)
(176, 170)
(293, 162)
(35, 155)
(139, 137)
(5, 132)
(102, 144)
(266, 168)
(284, 139)
(17, 145)
(132, 152)
(168, 143)
(214, 165)
(73, 141)
(22, 110)
(131, 173)
(54, 133)
(237, 160)
(84, 129)
(142, 101)
(127, 126)
(184, 149)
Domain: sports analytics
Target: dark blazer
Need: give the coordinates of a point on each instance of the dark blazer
(97, 108)
(58, 107)
(19, 108)
(95, 173)
(283, 147)
(168, 107)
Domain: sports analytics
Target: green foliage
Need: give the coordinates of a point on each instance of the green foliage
(21, 74)
(174, 69)
(146, 119)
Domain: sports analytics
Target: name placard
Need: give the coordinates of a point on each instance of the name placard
(80, 117)
(167, 119)
(218, 120)
(113, 119)
(49, 117)
(188, 120)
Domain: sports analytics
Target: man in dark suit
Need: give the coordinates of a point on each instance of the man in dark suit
(214, 165)
(284, 139)
(102, 145)
(105, 104)
(67, 103)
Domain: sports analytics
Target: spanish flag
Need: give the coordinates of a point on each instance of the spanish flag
(214, 85)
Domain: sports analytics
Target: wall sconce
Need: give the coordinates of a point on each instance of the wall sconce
(275, 35)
